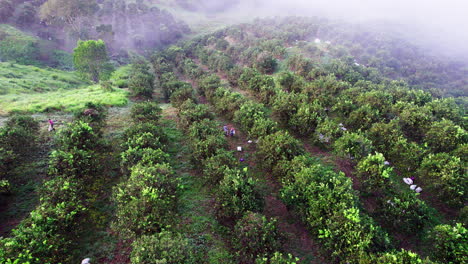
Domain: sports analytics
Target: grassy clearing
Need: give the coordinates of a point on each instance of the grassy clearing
(63, 100)
(17, 78)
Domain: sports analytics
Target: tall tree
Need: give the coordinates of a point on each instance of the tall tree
(90, 59)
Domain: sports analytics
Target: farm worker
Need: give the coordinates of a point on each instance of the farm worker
(51, 125)
(225, 128)
(232, 132)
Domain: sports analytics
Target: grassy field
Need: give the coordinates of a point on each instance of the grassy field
(17, 78)
(35, 90)
(61, 100)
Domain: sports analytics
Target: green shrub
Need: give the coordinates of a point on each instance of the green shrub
(146, 202)
(205, 148)
(144, 156)
(93, 114)
(75, 163)
(146, 112)
(353, 145)
(276, 147)
(374, 174)
(78, 135)
(406, 156)
(328, 131)
(179, 96)
(190, 112)
(450, 243)
(7, 159)
(262, 127)
(215, 166)
(24, 121)
(256, 236)
(238, 194)
(277, 258)
(446, 177)
(17, 140)
(143, 140)
(138, 129)
(385, 135)
(45, 234)
(318, 192)
(227, 102)
(394, 257)
(248, 113)
(445, 136)
(164, 247)
(4, 186)
(328, 204)
(347, 235)
(405, 211)
(200, 130)
(307, 117)
(141, 84)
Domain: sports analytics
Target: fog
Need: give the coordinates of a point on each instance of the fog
(442, 25)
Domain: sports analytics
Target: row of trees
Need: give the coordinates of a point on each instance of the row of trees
(419, 123)
(47, 235)
(419, 208)
(238, 200)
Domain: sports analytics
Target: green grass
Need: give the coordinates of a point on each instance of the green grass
(63, 100)
(17, 78)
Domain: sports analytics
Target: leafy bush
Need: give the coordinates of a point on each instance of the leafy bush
(256, 236)
(205, 148)
(138, 129)
(450, 243)
(406, 156)
(328, 203)
(277, 147)
(93, 114)
(190, 112)
(353, 145)
(248, 113)
(7, 158)
(144, 156)
(238, 194)
(394, 257)
(215, 166)
(200, 130)
(404, 211)
(146, 202)
(266, 63)
(446, 177)
(180, 95)
(277, 258)
(4, 186)
(78, 135)
(385, 135)
(143, 140)
(327, 131)
(307, 117)
(141, 84)
(75, 163)
(24, 121)
(164, 247)
(263, 127)
(45, 234)
(445, 136)
(18, 136)
(374, 174)
(146, 112)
